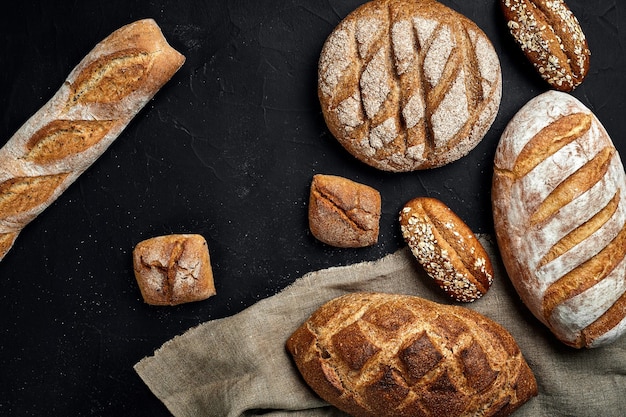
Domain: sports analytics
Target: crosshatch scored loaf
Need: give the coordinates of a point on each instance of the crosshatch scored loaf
(559, 207)
(407, 85)
(97, 101)
(389, 355)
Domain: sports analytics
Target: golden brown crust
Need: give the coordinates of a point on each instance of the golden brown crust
(173, 269)
(407, 85)
(551, 38)
(98, 99)
(374, 354)
(561, 221)
(447, 248)
(343, 213)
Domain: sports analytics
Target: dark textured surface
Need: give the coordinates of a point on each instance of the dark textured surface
(226, 149)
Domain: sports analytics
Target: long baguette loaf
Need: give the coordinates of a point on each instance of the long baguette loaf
(559, 200)
(97, 101)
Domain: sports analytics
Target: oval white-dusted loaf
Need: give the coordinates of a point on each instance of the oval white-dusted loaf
(559, 202)
(407, 85)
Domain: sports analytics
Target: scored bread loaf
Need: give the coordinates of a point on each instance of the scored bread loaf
(559, 207)
(390, 355)
(407, 85)
(96, 102)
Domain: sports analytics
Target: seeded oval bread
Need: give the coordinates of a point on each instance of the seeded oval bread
(407, 85)
(551, 38)
(387, 355)
(446, 248)
(559, 204)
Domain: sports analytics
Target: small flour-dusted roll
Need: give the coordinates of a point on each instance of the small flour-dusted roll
(89, 111)
(173, 269)
(407, 85)
(390, 355)
(559, 207)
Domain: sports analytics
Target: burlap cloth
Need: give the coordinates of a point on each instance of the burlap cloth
(238, 366)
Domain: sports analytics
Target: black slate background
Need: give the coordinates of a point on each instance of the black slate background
(226, 149)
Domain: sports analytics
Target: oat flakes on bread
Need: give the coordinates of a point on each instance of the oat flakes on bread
(559, 208)
(173, 269)
(101, 95)
(343, 213)
(551, 38)
(388, 355)
(406, 85)
(446, 248)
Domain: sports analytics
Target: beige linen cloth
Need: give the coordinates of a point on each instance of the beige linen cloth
(238, 366)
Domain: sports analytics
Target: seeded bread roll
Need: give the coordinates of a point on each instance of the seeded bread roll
(343, 213)
(173, 269)
(446, 248)
(96, 102)
(407, 85)
(559, 203)
(387, 355)
(551, 38)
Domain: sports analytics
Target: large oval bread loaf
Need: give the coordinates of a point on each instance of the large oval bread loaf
(384, 355)
(99, 98)
(407, 85)
(559, 201)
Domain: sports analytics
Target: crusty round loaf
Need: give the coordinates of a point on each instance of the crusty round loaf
(446, 248)
(407, 85)
(343, 213)
(388, 355)
(559, 204)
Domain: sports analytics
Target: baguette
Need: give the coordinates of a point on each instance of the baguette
(59, 142)
(388, 355)
(407, 85)
(559, 207)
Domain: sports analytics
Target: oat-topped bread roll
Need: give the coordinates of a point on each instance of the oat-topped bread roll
(408, 84)
(551, 38)
(96, 102)
(387, 355)
(559, 203)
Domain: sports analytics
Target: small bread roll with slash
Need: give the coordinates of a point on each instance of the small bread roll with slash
(343, 213)
(446, 248)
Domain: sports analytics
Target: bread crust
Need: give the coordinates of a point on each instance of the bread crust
(173, 269)
(559, 208)
(407, 85)
(96, 102)
(551, 38)
(446, 248)
(375, 354)
(343, 213)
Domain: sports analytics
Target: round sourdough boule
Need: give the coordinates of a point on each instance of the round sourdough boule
(406, 85)
(446, 248)
(391, 355)
(343, 213)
